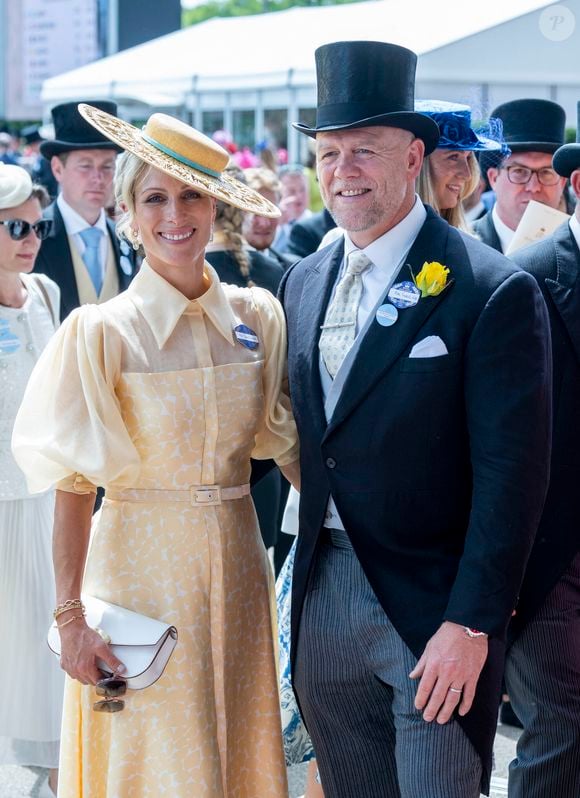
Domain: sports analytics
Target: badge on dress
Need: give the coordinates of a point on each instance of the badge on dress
(246, 336)
(404, 295)
(387, 315)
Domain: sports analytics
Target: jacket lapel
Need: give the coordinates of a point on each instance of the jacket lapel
(316, 291)
(383, 346)
(55, 252)
(565, 289)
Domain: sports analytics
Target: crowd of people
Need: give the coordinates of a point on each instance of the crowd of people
(206, 384)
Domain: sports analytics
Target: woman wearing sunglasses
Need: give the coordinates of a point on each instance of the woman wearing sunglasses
(162, 395)
(31, 683)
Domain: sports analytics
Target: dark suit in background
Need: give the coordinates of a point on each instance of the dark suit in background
(484, 229)
(305, 237)
(55, 260)
(543, 664)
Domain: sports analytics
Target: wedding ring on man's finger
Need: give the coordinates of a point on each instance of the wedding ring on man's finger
(455, 690)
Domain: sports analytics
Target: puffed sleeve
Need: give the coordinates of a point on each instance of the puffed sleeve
(69, 431)
(277, 438)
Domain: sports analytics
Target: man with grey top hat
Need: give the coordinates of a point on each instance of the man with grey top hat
(419, 369)
(83, 254)
(533, 131)
(543, 664)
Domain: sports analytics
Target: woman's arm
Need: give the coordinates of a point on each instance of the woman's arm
(292, 473)
(80, 645)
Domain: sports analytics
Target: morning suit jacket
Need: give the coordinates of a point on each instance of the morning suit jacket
(484, 229)
(555, 263)
(305, 237)
(438, 466)
(55, 260)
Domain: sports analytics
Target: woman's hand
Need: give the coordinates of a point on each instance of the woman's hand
(81, 647)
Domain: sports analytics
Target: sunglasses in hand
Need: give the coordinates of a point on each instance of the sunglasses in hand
(18, 229)
(111, 688)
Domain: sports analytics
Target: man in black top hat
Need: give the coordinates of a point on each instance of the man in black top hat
(83, 254)
(543, 664)
(533, 130)
(419, 373)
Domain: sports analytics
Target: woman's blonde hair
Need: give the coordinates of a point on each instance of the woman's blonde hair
(426, 191)
(130, 170)
(228, 220)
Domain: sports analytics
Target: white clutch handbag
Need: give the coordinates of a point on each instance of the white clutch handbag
(143, 644)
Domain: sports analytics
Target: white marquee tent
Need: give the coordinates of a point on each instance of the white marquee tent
(258, 71)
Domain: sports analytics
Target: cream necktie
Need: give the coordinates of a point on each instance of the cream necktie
(339, 328)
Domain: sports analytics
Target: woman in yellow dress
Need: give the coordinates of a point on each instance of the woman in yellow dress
(163, 392)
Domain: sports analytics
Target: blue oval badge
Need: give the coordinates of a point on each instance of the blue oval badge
(246, 336)
(387, 315)
(9, 343)
(404, 295)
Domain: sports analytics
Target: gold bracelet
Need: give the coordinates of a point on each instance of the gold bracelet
(69, 620)
(69, 604)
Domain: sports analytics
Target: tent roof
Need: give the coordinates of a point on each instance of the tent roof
(273, 49)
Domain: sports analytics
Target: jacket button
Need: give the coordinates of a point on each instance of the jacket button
(331, 462)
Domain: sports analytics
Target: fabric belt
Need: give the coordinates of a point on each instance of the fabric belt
(335, 537)
(196, 495)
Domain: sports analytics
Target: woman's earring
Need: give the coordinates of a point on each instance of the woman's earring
(135, 242)
(210, 235)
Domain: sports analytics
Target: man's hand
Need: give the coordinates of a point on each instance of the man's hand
(449, 669)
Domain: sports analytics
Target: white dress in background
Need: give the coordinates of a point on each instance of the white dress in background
(31, 681)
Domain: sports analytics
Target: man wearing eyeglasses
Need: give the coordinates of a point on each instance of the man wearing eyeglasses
(533, 130)
(82, 253)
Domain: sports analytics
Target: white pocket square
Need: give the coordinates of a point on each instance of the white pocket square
(432, 346)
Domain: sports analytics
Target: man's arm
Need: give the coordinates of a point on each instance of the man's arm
(508, 403)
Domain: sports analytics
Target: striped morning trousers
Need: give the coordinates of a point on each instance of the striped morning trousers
(352, 681)
(543, 681)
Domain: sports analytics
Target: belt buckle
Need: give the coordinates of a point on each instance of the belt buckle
(208, 495)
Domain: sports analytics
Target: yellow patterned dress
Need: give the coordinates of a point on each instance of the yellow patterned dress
(146, 394)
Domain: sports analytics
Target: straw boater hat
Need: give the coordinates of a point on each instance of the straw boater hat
(181, 152)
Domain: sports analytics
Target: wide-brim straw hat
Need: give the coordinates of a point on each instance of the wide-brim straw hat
(173, 147)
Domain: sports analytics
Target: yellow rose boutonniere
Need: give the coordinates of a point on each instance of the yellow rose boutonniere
(432, 279)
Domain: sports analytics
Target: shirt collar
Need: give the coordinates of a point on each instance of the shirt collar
(504, 233)
(575, 228)
(396, 242)
(74, 222)
(162, 305)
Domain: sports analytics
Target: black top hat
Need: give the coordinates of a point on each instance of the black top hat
(532, 125)
(31, 134)
(72, 132)
(363, 84)
(567, 159)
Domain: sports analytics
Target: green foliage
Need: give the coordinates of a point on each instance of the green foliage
(241, 8)
(570, 137)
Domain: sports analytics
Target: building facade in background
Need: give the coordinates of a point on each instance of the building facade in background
(40, 39)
